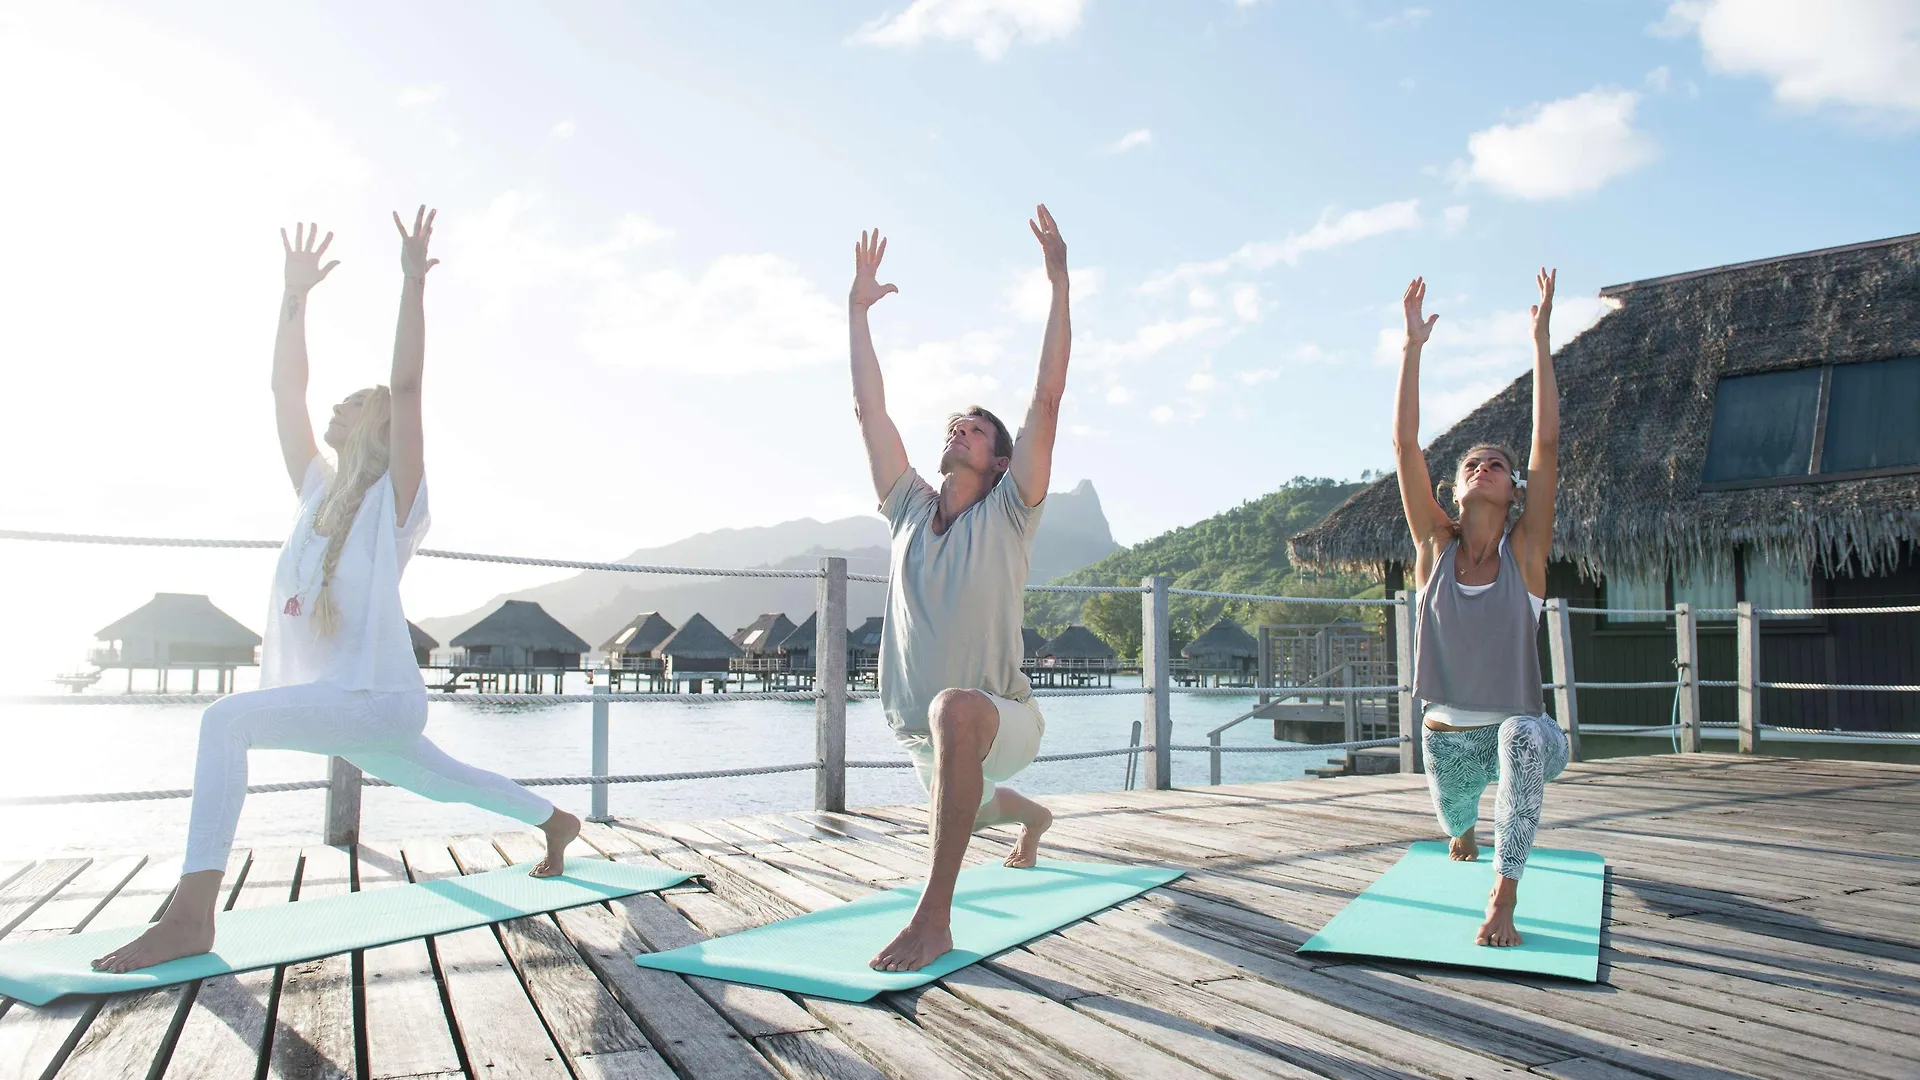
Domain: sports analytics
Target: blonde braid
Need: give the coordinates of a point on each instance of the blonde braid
(362, 462)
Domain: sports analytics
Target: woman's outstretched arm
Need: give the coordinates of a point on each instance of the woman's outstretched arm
(406, 445)
(1426, 520)
(303, 272)
(1535, 528)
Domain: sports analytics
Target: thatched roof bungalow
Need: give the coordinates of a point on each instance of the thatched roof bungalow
(763, 636)
(1077, 642)
(864, 640)
(1226, 648)
(175, 630)
(697, 648)
(520, 636)
(642, 634)
(1745, 432)
(423, 644)
(1030, 642)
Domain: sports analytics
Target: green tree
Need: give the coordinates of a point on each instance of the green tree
(1115, 617)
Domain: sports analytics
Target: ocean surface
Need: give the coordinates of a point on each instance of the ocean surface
(73, 748)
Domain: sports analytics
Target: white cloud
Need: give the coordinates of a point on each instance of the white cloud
(1405, 19)
(1185, 410)
(1246, 302)
(415, 96)
(1659, 80)
(1119, 395)
(1202, 297)
(1563, 148)
(1147, 341)
(1162, 414)
(1328, 232)
(563, 130)
(1136, 138)
(1203, 379)
(1030, 296)
(1257, 376)
(1310, 353)
(1454, 218)
(1856, 54)
(991, 26)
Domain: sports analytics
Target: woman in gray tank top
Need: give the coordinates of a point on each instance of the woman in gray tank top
(1482, 578)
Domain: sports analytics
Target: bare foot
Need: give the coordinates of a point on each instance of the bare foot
(1026, 850)
(168, 939)
(561, 828)
(1499, 930)
(1464, 848)
(914, 948)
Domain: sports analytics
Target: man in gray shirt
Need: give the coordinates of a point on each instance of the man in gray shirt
(950, 677)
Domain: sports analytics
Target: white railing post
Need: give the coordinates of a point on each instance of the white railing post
(1686, 666)
(600, 703)
(830, 683)
(343, 802)
(1155, 644)
(1411, 750)
(1566, 700)
(1747, 631)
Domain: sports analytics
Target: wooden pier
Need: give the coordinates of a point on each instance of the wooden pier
(1760, 922)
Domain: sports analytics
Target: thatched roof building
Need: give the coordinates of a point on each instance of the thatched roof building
(1642, 393)
(639, 637)
(763, 636)
(697, 646)
(176, 630)
(1077, 643)
(423, 644)
(1030, 642)
(519, 634)
(1225, 647)
(864, 640)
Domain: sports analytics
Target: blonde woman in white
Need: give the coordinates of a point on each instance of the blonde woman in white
(337, 670)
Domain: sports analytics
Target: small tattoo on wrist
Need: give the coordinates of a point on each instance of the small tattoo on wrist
(293, 306)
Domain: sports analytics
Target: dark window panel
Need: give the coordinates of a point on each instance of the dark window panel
(1762, 426)
(1873, 416)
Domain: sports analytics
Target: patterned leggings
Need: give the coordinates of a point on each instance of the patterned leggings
(1522, 753)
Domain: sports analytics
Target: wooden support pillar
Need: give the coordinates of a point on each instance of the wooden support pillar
(830, 686)
(598, 812)
(1686, 667)
(343, 802)
(1155, 675)
(1412, 751)
(1266, 662)
(1566, 700)
(1747, 634)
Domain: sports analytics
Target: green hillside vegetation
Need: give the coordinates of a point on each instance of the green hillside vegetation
(1242, 550)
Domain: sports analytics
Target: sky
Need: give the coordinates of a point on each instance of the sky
(647, 210)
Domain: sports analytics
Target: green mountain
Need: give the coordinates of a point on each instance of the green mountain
(1242, 550)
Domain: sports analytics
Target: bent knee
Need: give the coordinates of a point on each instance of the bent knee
(958, 714)
(1523, 730)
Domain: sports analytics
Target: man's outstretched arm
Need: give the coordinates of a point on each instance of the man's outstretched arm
(1033, 448)
(886, 454)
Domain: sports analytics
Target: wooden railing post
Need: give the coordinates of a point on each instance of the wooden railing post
(343, 802)
(1566, 699)
(1266, 662)
(1686, 667)
(600, 703)
(1411, 751)
(1350, 713)
(1155, 644)
(1747, 631)
(830, 683)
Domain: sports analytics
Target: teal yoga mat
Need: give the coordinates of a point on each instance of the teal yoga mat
(1427, 907)
(825, 952)
(39, 971)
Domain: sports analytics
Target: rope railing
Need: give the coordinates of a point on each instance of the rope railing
(1844, 736)
(1263, 598)
(1286, 691)
(1777, 613)
(1838, 686)
(1307, 748)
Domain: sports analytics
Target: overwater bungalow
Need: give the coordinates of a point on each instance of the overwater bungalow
(760, 658)
(1075, 657)
(629, 653)
(174, 632)
(423, 645)
(863, 652)
(1030, 642)
(697, 653)
(1226, 655)
(1746, 434)
(515, 648)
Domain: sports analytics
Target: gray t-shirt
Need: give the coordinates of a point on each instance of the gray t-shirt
(955, 602)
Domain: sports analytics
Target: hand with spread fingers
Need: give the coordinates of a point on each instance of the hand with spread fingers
(866, 270)
(303, 258)
(1418, 329)
(1051, 244)
(1543, 310)
(413, 247)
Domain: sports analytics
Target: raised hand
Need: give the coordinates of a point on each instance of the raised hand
(413, 247)
(1543, 310)
(866, 269)
(1051, 244)
(1418, 329)
(303, 258)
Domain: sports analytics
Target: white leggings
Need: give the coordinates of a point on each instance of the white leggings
(380, 733)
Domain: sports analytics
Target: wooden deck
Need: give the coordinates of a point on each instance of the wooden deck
(1761, 922)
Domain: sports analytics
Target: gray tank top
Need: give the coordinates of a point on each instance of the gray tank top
(1478, 651)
